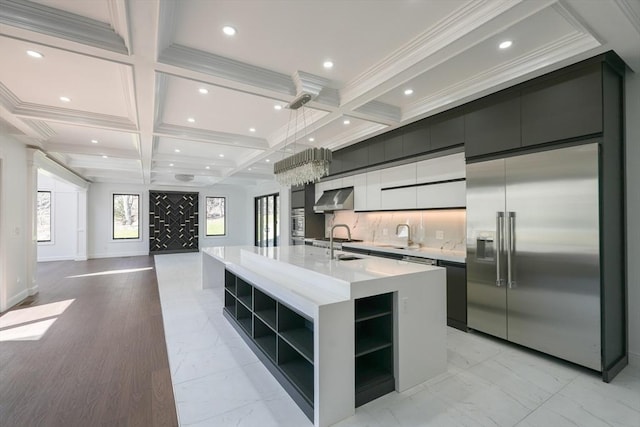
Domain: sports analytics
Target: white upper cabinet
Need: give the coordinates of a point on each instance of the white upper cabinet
(360, 192)
(373, 191)
(441, 168)
(398, 198)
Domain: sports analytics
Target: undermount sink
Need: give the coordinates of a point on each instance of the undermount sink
(344, 257)
(397, 246)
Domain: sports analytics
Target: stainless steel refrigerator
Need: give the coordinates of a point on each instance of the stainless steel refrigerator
(533, 264)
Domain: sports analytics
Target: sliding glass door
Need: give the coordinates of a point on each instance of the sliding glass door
(267, 215)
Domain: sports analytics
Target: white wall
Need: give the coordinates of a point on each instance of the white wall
(64, 220)
(632, 99)
(239, 214)
(13, 222)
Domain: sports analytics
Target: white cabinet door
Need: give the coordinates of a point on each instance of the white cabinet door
(373, 191)
(441, 168)
(348, 181)
(444, 195)
(398, 198)
(398, 175)
(360, 192)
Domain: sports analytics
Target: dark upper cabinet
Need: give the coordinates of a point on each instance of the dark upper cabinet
(416, 139)
(493, 125)
(393, 145)
(335, 166)
(297, 199)
(567, 106)
(447, 131)
(376, 150)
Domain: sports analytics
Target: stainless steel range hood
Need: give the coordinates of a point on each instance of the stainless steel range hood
(335, 200)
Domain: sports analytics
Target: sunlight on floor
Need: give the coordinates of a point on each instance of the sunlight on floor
(103, 273)
(31, 327)
(30, 332)
(37, 312)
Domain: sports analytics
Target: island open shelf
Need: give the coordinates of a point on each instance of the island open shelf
(334, 334)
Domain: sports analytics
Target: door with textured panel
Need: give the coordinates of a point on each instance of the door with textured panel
(173, 222)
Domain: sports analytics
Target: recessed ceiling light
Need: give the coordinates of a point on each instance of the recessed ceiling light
(505, 44)
(203, 91)
(170, 164)
(177, 150)
(34, 54)
(191, 120)
(229, 30)
(208, 167)
(105, 157)
(346, 122)
(278, 107)
(267, 160)
(252, 129)
(327, 64)
(408, 92)
(311, 139)
(220, 155)
(65, 99)
(94, 141)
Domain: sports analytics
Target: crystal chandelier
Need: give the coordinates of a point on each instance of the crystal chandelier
(306, 166)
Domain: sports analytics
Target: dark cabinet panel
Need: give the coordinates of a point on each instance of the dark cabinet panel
(563, 108)
(493, 126)
(447, 132)
(376, 150)
(355, 157)
(456, 294)
(416, 139)
(335, 167)
(297, 199)
(393, 145)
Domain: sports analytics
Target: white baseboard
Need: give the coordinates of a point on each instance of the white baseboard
(634, 360)
(33, 290)
(17, 298)
(55, 258)
(119, 254)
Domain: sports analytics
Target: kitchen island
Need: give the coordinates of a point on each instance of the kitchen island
(335, 333)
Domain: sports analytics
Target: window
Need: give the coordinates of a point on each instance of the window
(44, 216)
(125, 216)
(216, 222)
(267, 213)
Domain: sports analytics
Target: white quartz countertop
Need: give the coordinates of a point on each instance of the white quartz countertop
(305, 275)
(423, 252)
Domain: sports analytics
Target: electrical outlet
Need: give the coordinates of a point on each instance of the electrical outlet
(440, 235)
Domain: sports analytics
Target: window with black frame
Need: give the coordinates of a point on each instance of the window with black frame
(125, 218)
(267, 217)
(216, 216)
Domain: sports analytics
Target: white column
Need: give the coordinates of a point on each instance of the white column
(32, 230)
(81, 243)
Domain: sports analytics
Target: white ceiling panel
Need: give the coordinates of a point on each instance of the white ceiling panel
(133, 70)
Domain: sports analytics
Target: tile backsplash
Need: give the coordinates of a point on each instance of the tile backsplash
(429, 228)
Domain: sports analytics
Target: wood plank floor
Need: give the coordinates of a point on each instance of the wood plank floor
(103, 361)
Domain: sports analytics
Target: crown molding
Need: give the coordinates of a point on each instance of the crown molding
(83, 118)
(328, 96)
(349, 138)
(505, 74)
(166, 24)
(456, 25)
(160, 97)
(226, 68)
(381, 110)
(42, 128)
(47, 162)
(90, 150)
(309, 83)
(119, 14)
(630, 13)
(207, 136)
(217, 163)
(129, 91)
(58, 23)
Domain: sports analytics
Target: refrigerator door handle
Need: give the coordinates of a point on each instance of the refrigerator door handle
(499, 247)
(511, 250)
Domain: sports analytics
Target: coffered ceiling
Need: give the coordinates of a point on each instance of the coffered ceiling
(157, 89)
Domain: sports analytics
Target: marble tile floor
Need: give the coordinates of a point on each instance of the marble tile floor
(218, 381)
